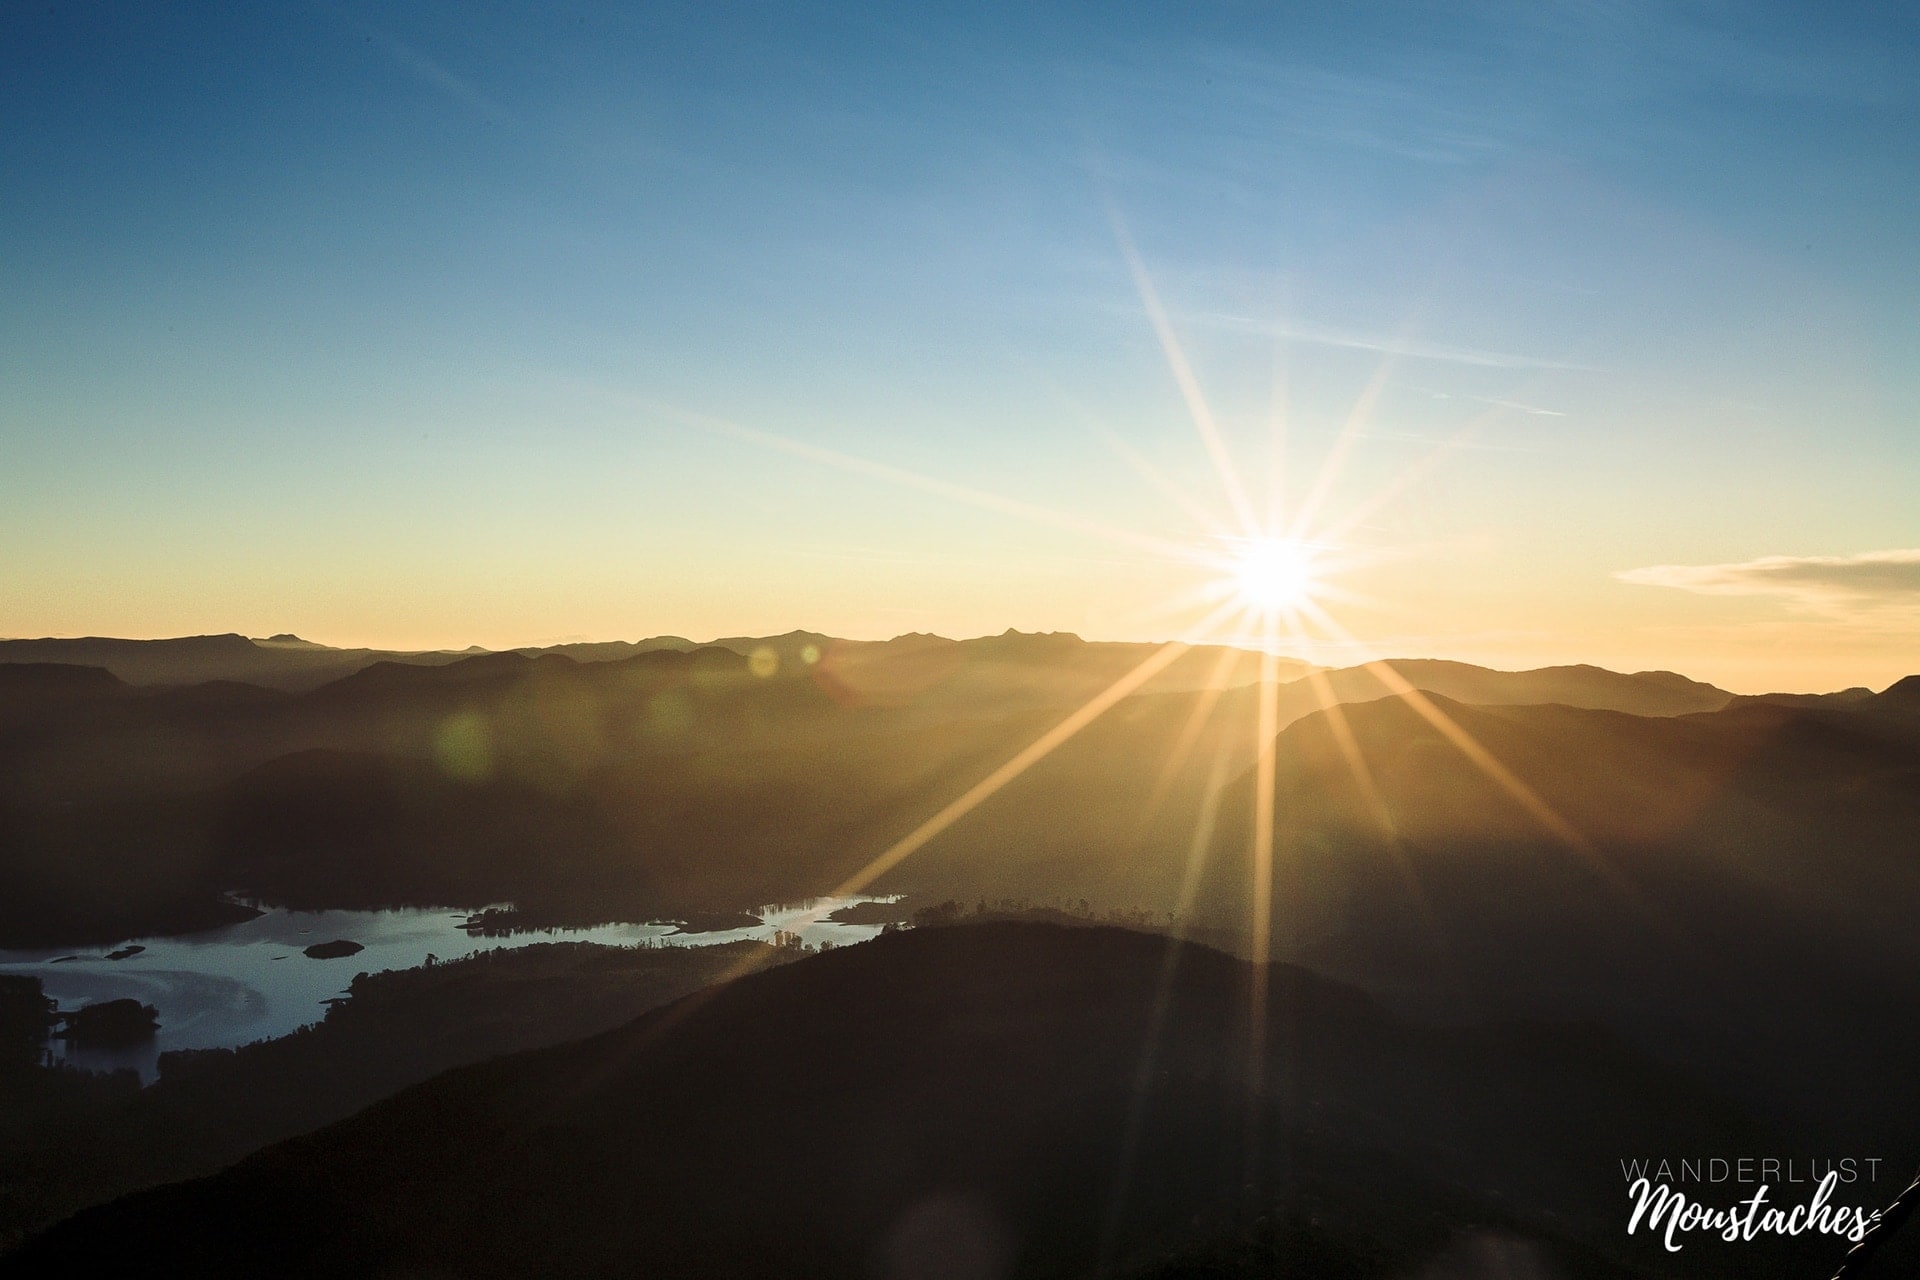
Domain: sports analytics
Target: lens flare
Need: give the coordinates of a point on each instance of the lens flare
(1266, 577)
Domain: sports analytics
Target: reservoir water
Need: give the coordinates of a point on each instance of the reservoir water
(230, 986)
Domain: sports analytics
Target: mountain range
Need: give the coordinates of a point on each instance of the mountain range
(648, 783)
(1578, 901)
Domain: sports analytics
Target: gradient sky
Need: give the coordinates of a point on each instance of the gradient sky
(411, 325)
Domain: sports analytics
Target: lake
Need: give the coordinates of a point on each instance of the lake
(230, 986)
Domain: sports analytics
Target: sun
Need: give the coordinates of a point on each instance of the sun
(1272, 574)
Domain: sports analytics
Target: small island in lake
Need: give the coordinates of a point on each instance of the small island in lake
(333, 950)
(877, 911)
(111, 1024)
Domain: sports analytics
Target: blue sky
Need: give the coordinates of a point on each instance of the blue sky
(382, 324)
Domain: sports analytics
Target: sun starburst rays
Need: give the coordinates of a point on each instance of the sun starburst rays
(1264, 577)
(1183, 375)
(1032, 754)
(1266, 587)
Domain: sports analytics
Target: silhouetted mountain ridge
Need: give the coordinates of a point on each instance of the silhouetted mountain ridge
(1901, 696)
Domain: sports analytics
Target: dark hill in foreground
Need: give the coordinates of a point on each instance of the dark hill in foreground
(960, 1102)
(69, 1140)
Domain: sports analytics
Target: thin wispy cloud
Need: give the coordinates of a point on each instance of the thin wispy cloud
(1414, 111)
(1479, 357)
(428, 71)
(1455, 443)
(1533, 410)
(1867, 581)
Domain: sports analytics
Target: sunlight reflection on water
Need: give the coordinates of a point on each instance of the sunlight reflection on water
(251, 981)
